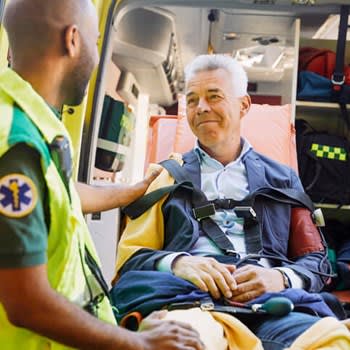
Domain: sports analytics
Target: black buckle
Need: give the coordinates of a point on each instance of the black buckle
(245, 212)
(225, 203)
(203, 212)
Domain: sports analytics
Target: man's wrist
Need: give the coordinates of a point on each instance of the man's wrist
(295, 280)
(166, 263)
(286, 280)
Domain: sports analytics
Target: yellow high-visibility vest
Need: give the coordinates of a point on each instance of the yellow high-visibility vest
(68, 236)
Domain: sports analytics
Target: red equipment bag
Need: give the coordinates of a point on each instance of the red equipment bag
(320, 61)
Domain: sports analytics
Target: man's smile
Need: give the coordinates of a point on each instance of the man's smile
(207, 121)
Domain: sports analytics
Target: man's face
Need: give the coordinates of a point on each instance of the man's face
(213, 111)
(88, 57)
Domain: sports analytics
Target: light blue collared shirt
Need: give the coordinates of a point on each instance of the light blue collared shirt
(219, 182)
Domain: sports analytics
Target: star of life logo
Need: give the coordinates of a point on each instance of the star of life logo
(18, 195)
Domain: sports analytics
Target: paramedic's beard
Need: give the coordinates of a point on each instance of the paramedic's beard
(80, 75)
(77, 95)
(74, 87)
(81, 93)
(79, 78)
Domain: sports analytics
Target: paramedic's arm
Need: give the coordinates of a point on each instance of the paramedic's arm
(31, 303)
(101, 198)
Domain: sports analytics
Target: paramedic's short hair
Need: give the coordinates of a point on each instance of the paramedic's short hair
(31, 24)
(212, 62)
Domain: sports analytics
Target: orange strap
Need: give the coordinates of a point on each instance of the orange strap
(131, 321)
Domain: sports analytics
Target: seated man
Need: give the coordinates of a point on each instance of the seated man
(168, 238)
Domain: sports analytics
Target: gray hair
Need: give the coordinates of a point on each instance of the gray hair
(213, 62)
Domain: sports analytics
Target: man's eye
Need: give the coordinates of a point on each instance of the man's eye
(214, 97)
(192, 101)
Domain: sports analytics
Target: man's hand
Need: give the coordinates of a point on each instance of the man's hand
(156, 333)
(207, 274)
(253, 281)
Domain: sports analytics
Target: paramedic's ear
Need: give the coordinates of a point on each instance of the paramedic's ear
(245, 105)
(72, 41)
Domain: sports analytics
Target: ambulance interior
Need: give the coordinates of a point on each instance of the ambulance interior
(139, 111)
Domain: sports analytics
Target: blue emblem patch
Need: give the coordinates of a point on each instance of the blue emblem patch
(18, 195)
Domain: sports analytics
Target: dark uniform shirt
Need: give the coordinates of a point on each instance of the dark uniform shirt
(23, 240)
(23, 237)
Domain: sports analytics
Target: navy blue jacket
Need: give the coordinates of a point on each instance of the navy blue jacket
(181, 229)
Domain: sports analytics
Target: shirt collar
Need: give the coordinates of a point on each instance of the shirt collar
(204, 157)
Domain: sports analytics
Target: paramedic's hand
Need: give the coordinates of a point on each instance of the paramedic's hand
(156, 333)
(129, 193)
(207, 274)
(100, 198)
(253, 281)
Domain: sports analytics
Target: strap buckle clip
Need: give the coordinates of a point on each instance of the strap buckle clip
(207, 304)
(233, 253)
(245, 212)
(203, 212)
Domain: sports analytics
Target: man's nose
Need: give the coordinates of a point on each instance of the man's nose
(203, 105)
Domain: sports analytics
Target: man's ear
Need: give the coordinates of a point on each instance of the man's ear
(245, 105)
(72, 41)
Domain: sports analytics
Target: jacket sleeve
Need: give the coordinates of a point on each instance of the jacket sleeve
(307, 247)
(142, 240)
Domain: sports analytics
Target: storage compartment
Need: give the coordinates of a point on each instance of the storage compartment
(114, 138)
(146, 45)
